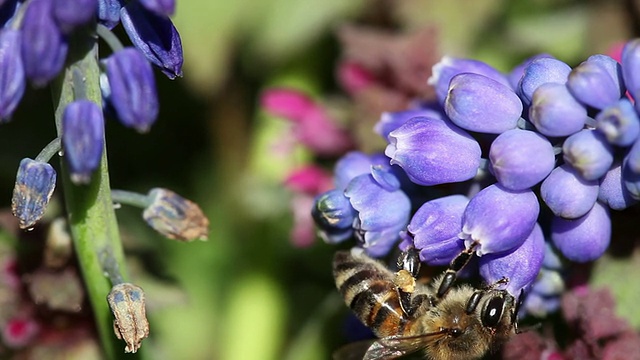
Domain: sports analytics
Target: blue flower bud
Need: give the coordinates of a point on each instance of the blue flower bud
(585, 238)
(334, 216)
(390, 121)
(82, 138)
(520, 266)
(499, 219)
(155, 36)
(383, 211)
(109, 12)
(72, 13)
(548, 283)
(555, 112)
(434, 151)
(12, 77)
(630, 66)
(435, 227)
(613, 192)
(632, 159)
(449, 67)
(518, 71)
(594, 84)
(619, 123)
(541, 71)
(520, 159)
(478, 103)
(551, 259)
(131, 89)
(44, 48)
(34, 186)
(589, 153)
(160, 7)
(175, 217)
(356, 163)
(567, 194)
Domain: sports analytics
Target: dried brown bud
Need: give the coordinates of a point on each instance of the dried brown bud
(127, 305)
(58, 248)
(175, 217)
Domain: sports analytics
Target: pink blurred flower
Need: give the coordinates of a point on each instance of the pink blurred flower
(19, 332)
(354, 78)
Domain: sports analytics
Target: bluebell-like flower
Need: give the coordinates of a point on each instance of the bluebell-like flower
(613, 192)
(478, 103)
(82, 138)
(160, 7)
(34, 186)
(551, 258)
(539, 72)
(383, 210)
(434, 151)
(356, 163)
(555, 112)
(540, 306)
(334, 216)
(520, 265)
(619, 123)
(594, 83)
(632, 159)
(12, 77)
(175, 217)
(390, 121)
(585, 238)
(521, 158)
(448, 67)
(72, 13)
(518, 71)
(155, 36)
(631, 180)
(630, 65)
(109, 12)
(131, 89)
(434, 229)
(568, 194)
(498, 219)
(589, 153)
(549, 283)
(44, 48)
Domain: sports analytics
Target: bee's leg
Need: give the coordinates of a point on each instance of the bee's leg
(405, 280)
(455, 266)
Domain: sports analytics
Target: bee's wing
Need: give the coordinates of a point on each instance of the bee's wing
(353, 351)
(393, 347)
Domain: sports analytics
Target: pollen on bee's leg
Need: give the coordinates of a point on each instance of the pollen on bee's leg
(404, 281)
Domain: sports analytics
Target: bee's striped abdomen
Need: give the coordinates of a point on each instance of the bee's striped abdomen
(368, 289)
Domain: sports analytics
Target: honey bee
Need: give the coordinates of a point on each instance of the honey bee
(445, 322)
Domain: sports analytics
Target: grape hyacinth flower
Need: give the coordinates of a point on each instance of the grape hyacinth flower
(567, 193)
(619, 123)
(589, 153)
(36, 39)
(555, 112)
(585, 238)
(539, 72)
(597, 81)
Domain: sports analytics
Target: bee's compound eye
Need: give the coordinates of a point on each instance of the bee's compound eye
(493, 312)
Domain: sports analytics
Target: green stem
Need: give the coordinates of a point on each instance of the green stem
(130, 198)
(91, 214)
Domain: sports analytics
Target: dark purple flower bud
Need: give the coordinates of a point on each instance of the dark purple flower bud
(499, 219)
(383, 210)
(434, 151)
(72, 13)
(155, 36)
(613, 192)
(132, 89)
(82, 138)
(619, 123)
(521, 158)
(585, 238)
(175, 217)
(44, 48)
(109, 12)
(390, 121)
(542, 71)
(521, 265)
(12, 78)
(567, 194)
(356, 163)
(334, 216)
(589, 153)
(34, 186)
(478, 103)
(434, 229)
(630, 65)
(516, 74)
(555, 112)
(593, 83)
(160, 7)
(449, 67)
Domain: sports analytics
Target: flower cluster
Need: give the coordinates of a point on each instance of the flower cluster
(468, 171)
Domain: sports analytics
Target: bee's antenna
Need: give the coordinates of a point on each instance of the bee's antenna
(455, 266)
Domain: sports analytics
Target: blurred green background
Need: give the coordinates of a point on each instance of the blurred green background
(248, 293)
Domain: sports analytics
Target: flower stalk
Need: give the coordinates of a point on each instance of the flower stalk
(92, 218)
